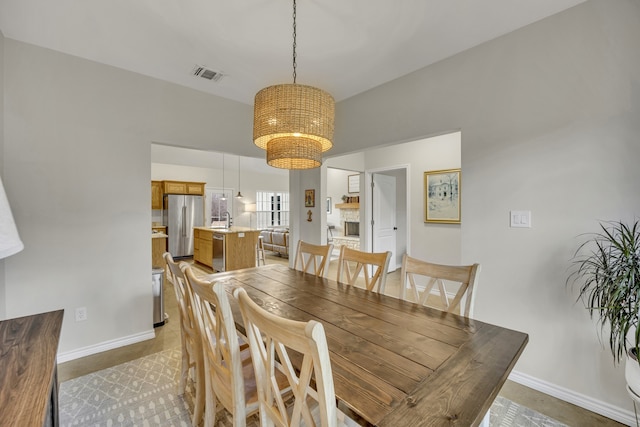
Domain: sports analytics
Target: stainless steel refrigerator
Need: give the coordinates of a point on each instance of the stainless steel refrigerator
(182, 213)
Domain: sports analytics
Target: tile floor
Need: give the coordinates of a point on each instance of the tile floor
(168, 336)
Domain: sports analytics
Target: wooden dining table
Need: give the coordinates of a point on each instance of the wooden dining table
(394, 363)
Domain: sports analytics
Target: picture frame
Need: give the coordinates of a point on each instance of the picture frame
(328, 205)
(353, 183)
(442, 196)
(309, 198)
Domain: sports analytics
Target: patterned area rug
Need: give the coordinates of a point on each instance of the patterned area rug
(143, 393)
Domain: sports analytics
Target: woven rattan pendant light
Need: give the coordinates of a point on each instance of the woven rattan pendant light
(293, 122)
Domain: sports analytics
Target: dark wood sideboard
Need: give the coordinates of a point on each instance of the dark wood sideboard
(28, 370)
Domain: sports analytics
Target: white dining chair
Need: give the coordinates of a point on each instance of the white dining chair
(313, 259)
(228, 374)
(271, 339)
(465, 277)
(374, 266)
(191, 345)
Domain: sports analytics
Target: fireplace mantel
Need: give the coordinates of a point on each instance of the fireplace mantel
(347, 205)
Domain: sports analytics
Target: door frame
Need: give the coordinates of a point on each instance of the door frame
(367, 210)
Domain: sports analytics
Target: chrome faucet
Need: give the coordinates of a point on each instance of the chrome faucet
(229, 220)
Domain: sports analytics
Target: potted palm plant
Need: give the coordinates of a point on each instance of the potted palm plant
(607, 270)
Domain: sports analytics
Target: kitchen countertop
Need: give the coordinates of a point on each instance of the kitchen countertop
(159, 236)
(233, 229)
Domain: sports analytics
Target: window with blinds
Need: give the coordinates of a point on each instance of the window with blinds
(272, 209)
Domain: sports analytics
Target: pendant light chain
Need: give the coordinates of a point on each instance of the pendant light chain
(294, 42)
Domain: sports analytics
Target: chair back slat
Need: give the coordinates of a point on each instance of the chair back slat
(466, 276)
(313, 259)
(352, 262)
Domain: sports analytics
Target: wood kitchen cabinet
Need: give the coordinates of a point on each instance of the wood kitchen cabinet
(182, 187)
(203, 246)
(156, 195)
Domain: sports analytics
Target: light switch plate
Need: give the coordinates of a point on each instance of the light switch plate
(520, 219)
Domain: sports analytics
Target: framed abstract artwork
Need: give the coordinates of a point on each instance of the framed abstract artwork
(442, 196)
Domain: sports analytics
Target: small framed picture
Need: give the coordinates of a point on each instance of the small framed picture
(309, 198)
(353, 183)
(442, 196)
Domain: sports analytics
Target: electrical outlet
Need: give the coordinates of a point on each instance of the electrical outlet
(81, 314)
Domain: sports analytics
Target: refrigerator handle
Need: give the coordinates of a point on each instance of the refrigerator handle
(184, 221)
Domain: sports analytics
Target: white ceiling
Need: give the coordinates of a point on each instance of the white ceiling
(344, 46)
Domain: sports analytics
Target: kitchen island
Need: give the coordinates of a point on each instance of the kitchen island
(225, 249)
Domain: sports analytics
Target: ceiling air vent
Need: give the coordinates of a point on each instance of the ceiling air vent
(207, 73)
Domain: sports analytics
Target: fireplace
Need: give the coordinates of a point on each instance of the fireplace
(351, 228)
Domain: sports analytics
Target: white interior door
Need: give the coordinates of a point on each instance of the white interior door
(384, 216)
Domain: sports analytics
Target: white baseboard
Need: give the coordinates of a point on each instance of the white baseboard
(605, 409)
(104, 346)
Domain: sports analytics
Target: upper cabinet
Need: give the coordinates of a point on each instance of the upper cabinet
(180, 187)
(156, 194)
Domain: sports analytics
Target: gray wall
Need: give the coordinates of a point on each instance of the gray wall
(550, 123)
